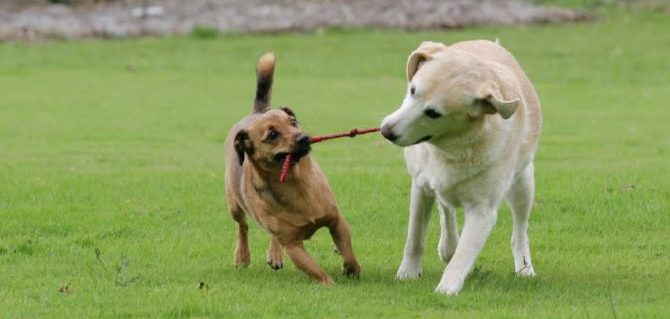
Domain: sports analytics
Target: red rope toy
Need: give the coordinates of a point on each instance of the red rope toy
(318, 139)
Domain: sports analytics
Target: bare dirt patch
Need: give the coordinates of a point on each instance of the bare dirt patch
(34, 19)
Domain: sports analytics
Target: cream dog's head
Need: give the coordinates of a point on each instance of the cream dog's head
(448, 92)
(269, 137)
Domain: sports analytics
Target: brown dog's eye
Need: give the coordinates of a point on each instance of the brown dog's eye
(272, 135)
(294, 123)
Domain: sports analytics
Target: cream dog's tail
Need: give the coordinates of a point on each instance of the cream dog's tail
(264, 74)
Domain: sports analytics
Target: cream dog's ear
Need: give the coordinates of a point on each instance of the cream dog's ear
(492, 104)
(491, 101)
(423, 53)
(505, 108)
(496, 95)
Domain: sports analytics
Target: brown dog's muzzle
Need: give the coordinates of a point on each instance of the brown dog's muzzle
(301, 147)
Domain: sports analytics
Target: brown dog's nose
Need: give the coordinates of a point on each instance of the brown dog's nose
(387, 131)
(303, 139)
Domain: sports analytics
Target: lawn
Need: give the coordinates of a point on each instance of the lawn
(111, 176)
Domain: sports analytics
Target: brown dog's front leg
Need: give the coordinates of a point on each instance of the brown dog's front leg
(275, 254)
(342, 238)
(242, 256)
(304, 262)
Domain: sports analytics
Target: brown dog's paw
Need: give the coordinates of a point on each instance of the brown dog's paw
(241, 264)
(274, 258)
(275, 264)
(326, 281)
(351, 269)
(242, 259)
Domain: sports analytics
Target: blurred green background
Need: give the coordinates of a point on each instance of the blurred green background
(111, 175)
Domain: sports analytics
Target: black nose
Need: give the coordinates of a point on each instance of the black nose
(303, 139)
(388, 133)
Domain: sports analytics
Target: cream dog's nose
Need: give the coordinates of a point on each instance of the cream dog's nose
(387, 132)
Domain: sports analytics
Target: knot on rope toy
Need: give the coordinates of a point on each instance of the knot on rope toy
(317, 139)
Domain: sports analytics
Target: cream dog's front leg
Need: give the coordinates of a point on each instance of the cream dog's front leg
(421, 204)
(479, 221)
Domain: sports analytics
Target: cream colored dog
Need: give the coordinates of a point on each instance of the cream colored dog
(470, 124)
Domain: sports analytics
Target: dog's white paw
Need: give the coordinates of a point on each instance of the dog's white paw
(408, 271)
(449, 289)
(525, 272)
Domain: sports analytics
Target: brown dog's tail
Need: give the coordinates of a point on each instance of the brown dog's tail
(264, 73)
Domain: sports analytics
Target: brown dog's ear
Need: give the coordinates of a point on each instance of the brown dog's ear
(287, 111)
(294, 120)
(423, 53)
(243, 145)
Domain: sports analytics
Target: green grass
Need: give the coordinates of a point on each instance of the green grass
(116, 147)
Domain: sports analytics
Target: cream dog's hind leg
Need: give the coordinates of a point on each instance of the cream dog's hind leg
(520, 199)
(448, 232)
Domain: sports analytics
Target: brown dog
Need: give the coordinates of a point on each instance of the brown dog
(291, 212)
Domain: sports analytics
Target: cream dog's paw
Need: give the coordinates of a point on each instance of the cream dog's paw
(449, 289)
(409, 271)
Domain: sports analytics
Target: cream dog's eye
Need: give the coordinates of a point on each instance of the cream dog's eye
(431, 113)
(412, 90)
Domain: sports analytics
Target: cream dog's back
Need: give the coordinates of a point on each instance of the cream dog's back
(530, 107)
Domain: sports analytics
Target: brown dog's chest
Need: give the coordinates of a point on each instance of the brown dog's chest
(288, 209)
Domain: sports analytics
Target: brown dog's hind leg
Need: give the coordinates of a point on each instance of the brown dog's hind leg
(275, 254)
(242, 257)
(304, 262)
(342, 238)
